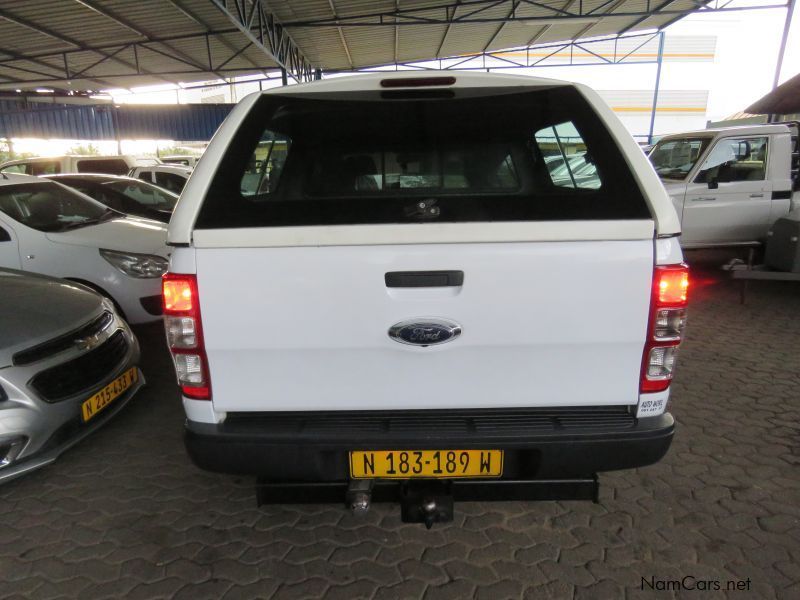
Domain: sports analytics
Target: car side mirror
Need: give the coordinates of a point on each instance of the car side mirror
(713, 183)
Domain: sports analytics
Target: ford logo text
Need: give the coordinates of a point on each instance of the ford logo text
(424, 331)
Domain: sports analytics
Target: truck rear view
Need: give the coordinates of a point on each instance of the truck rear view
(451, 286)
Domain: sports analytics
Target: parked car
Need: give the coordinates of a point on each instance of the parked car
(114, 165)
(186, 160)
(125, 194)
(48, 228)
(169, 177)
(729, 185)
(577, 170)
(408, 298)
(68, 363)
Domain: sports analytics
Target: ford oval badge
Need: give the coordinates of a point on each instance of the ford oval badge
(424, 331)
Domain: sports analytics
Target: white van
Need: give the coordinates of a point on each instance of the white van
(407, 293)
(111, 165)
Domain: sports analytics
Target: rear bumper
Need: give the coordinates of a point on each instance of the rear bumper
(538, 443)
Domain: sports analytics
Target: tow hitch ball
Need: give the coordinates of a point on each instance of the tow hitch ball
(359, 496)
(426, 502)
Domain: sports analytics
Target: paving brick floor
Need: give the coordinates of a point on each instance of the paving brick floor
(125, 514)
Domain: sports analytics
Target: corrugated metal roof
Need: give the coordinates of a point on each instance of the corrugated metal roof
(100, 44)
(186, 122)
(783, 100)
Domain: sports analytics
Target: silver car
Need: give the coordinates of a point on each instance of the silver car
(68, 363)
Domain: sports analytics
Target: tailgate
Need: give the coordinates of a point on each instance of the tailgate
(548, 323)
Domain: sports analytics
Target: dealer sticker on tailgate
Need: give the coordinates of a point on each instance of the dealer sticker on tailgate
(406, 464)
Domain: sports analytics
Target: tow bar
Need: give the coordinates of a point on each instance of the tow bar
(425, 501)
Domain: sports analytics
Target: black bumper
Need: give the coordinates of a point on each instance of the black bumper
(538, 443)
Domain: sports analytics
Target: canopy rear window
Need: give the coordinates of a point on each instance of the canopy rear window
(505, 156)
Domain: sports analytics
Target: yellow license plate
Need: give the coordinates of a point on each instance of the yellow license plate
(108, 394)
(406, 464)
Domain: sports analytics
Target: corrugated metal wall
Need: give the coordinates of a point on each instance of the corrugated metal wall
(184, 122)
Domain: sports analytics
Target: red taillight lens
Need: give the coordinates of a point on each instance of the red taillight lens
(665, 328)
(184, 331)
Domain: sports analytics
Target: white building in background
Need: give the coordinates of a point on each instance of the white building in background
(676, 111)
(628, 85)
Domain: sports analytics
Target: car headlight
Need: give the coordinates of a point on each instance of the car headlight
(141, 266)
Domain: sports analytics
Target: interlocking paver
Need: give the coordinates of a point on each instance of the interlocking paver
(409, 588)
(125, 514)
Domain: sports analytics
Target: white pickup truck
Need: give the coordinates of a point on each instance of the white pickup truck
(729, 185)
(449, 285)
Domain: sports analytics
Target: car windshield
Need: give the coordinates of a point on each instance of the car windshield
(673, 159)
(144, 193)
(47, 206)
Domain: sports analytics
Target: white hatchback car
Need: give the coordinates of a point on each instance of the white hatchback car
(48, 228)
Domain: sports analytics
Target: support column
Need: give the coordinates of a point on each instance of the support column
(659, 61)
(782, 51)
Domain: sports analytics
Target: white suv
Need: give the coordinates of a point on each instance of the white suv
(378, 278)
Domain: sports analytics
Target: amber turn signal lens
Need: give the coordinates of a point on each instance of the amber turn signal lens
(177, 295)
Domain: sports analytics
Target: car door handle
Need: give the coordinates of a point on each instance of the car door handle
(756, 195)
(416, 279)
(704, 199)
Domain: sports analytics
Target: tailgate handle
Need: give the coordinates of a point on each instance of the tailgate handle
(416, 279)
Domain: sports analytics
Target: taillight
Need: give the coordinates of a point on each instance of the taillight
(665, 327)
(184, 331)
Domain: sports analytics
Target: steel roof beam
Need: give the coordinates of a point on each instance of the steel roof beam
(4, 14)
(259, 26)
(127, 24)
(341, 35)
(698, 2)
(397, 35)
(584, 32)
(420, 16)
(109, 49)
(446, 31)
(110, 46)
(14, 57)
(497, 31)
(202, 23)
(546, 28)
(463, 62)
(641, 20)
